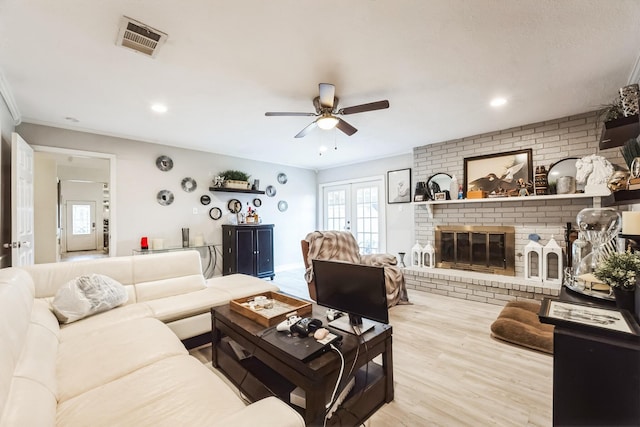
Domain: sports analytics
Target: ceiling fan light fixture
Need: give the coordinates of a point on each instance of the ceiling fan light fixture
(327, 122)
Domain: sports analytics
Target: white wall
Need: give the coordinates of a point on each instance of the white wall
(45, 217)
(399, 216)
(138, 181)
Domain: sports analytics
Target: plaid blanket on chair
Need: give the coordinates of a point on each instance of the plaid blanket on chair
(342, 246)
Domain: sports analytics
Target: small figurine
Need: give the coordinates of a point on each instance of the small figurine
(523, 187)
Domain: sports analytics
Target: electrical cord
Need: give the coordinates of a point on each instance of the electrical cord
(335, 389)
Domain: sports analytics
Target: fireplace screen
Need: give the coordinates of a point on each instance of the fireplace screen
(476, 248)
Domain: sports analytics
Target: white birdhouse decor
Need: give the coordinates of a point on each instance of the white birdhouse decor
(428, 256)
(552, 263)
(533, 261)
(416, 255)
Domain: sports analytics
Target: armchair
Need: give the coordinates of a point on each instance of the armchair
(342, 246)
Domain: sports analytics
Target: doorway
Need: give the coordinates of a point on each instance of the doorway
(358, 207)
(91, 230)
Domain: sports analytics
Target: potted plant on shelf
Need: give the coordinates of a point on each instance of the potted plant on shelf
(620, 270)
(236, 179)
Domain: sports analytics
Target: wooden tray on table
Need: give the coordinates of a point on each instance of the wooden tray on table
(283, 305)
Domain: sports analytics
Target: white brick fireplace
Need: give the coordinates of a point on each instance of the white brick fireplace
(553, 140)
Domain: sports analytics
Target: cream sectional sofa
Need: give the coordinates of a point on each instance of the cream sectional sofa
(127, 366)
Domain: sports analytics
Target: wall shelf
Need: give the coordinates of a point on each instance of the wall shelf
(235, 190)
(618, 131)
(622, 197)
(597, 197)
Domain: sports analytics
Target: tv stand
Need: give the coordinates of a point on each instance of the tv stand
(347, 323)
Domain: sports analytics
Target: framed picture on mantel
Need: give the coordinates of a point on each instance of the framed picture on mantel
(498, 172)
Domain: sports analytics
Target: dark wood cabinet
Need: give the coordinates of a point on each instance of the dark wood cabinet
(596, 376)
(248, 249)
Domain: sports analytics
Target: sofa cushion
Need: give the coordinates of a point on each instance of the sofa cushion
(96, 358)
(240, 285)
(167, 274)
(50, 277)
(170, 392)
(87, 295)
(103, 320)
(280, 415)
(185, 305)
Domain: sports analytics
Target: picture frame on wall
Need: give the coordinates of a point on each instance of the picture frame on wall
(498, 173)
(399, 186)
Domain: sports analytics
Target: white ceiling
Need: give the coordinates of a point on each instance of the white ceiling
(225, 63)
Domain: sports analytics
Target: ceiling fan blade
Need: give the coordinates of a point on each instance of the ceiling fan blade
(379, 105)
(346, 127)
(327, 93)
(306, 130)
(271, 114)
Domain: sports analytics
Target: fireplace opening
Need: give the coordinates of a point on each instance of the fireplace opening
(476, 248)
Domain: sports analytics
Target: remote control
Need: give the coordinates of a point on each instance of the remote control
(285, 325)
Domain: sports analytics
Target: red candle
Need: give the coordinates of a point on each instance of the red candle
(144, 243)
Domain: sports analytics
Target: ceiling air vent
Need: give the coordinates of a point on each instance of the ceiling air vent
(139, 37)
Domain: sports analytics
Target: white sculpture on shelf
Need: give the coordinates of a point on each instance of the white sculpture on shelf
(594, 171)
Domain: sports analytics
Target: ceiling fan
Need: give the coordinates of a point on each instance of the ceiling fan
(326, 110)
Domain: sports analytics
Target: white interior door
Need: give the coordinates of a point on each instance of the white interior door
(357, 207)
(21, 202)
(80, 230)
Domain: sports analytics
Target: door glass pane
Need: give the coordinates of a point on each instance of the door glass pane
(336, 210)
(367, 220)
(81, 219)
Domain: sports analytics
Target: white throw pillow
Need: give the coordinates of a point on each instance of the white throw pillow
(87, 295)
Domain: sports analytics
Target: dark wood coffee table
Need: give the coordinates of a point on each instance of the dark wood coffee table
(271, 371)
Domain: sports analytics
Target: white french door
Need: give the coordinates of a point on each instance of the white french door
(357, 207)
(81, 226)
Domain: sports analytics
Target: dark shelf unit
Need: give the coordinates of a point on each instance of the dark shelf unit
(618, 131)
(235, 190)
(248, 249)
(622, 197)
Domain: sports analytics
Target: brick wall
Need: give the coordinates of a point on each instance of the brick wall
(553, 140)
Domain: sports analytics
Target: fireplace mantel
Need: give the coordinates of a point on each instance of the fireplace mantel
(597, 199)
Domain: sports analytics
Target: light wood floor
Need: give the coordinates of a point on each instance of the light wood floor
(448, 371)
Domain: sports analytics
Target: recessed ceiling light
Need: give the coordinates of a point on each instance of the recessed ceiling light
(159, 108)
(498, 102)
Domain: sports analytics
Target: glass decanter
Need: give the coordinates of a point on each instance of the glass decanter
(600, 226)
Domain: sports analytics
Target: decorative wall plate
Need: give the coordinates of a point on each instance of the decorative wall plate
(283, 206)
(215, 213)
(205, 199)
(189, 184)
(257, 202)
(282, 178)
(270, 191)
(165, 197)
(164, 163)
(234, 205)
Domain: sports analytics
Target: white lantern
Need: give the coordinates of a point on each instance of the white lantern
(428, 256)
(552, 263)
(533, 261)
(416, 255)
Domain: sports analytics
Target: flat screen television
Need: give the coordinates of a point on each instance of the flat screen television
(354, 289)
